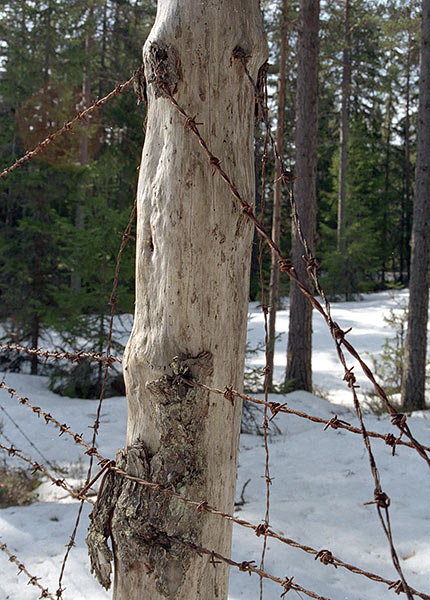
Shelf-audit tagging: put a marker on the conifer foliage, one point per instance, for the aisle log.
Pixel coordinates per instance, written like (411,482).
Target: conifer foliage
(62,214)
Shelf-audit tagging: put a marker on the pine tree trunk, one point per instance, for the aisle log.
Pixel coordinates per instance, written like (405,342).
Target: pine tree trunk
(413,385)
(277,198)
(343,141)
(76,278)
(407,168)
(299,351)
(192,283)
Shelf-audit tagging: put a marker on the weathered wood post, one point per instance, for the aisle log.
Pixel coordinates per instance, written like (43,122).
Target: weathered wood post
(192,276)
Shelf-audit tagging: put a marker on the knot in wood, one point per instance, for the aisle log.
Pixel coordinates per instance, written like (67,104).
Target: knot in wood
(287,584)
(241,54)
(326,557)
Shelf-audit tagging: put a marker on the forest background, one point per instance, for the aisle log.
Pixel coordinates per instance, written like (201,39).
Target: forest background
(61,223)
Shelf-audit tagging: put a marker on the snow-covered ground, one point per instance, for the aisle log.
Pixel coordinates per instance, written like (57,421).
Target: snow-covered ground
(321,480)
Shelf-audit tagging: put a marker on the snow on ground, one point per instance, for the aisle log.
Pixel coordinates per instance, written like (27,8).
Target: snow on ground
(321,480)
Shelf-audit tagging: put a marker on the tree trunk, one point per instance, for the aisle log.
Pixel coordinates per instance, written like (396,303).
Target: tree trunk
(299,351)
(407,169)
(192,282)
(343,141)
(413,385)
(276,217)
(76,278)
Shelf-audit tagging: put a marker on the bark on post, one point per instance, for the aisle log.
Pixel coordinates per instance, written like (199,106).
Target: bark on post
(299,350)
(192,283)
(414,373)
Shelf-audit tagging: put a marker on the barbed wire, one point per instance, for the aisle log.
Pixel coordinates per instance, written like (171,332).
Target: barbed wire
(337,333)
(264,308)
(285,265)
(399,420)
(32,444)
(63,427)
(57,355)
(381,499)
(39,468)
(67,127)
(324,555)
(246,566)
(275,407)
(96,425)
(32,580)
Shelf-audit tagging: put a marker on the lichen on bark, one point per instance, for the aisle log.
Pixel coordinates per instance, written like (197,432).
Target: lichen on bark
(141,521)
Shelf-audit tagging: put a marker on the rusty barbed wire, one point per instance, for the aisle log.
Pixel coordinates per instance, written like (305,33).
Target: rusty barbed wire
(72,356)
(338,335)
(261,529)
(228,393)
(275,407)
(286,266)
(32,580)
(264,308)
(312,268)
(63,427)
(67,127)
(381,500)
(96,425)
(39,468)
(32,444)
(245,566)
(203,506)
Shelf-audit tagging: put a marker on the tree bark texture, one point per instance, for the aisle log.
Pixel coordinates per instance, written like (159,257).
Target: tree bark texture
(299,351)
(413,385)
(192,284)
(343,135)
(277,196)
(76,278)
